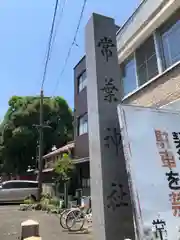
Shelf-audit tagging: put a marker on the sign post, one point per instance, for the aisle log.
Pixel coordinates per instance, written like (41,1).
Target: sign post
(111,205)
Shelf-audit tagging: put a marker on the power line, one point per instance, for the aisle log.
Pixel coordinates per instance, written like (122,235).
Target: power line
(57,26)
(49,43)
(41,125)
(71,46)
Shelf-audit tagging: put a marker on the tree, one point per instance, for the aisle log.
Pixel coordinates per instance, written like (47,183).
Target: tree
(19,134)
(64,168)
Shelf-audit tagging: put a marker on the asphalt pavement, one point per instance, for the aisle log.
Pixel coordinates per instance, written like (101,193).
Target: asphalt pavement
(11,218)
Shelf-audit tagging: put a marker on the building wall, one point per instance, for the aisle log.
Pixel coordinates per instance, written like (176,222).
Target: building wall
(142,14)
(163,90)
(145,20)
(80,104)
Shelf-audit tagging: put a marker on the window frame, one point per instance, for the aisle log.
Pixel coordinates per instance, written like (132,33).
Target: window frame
(123,66)
(146,61)
(83,117)
(166,28)
(85,183)
(82,81)
(133,56)
(162,67)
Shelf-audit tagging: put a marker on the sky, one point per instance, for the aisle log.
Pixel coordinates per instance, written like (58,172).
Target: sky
(24,34)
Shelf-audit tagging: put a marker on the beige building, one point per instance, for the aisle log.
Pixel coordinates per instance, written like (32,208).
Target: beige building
(149,54)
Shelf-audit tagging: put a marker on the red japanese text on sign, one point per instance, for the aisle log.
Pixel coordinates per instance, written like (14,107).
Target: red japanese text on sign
(167,159)
(175,201)
(162,139)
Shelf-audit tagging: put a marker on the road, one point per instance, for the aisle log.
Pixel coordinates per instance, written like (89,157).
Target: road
(11,218)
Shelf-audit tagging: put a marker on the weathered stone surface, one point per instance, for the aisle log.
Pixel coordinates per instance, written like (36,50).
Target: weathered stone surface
(29,228)
(33,238)
(111,205)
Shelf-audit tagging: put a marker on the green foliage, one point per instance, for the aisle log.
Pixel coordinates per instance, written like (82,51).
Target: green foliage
(50,204)
(28,201)
(19,134)
(64,167)
(54,201)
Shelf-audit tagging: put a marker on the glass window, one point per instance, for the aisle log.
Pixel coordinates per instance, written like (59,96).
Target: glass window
(7,185)
(170,36)
(28,185)
(32,185)
(82,81)
(146,61)
(83,124)
(19,184)
(129,76)
(85,182)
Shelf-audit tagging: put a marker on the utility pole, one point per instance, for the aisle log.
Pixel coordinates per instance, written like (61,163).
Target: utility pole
(40,128)
(41,124)
(40,164)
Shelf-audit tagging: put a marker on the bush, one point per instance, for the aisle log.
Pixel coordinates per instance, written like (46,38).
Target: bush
(54,202)
(47,203)
(29,200)
(46,196)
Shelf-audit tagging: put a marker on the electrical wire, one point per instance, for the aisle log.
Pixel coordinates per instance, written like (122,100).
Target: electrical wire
(71,46)
(57,26)
(49,44)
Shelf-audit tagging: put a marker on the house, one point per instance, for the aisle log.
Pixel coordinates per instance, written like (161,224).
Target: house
(80,181)
(149,61)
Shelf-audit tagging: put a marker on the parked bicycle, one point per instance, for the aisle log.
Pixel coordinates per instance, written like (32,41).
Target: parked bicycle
(63,217)
(76,218)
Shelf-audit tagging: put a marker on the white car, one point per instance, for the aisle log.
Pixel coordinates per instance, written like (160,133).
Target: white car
(17,190)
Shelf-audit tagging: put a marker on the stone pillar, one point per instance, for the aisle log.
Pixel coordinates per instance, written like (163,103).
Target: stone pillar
(33,238)
(29,228)
(111,205)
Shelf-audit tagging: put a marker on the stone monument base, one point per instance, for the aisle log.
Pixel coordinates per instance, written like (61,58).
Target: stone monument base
(29,228)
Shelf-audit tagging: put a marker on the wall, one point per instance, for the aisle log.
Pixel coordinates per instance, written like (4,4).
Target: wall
(134,23)
(163,90)
(175,105)
(146,19)
(80,104)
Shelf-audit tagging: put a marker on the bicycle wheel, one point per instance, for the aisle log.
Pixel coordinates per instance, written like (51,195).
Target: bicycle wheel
(75,220)
(63,217)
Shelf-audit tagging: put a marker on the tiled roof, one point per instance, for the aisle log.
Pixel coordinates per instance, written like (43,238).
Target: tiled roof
(75,161)
(65,148)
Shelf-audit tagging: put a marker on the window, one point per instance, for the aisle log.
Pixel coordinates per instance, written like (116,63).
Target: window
(143,67)
(129,76)
(170,36)
(85,182)
(20,184)
(146,61)
(30,185)
(83,124)
(82,81)
(7,185)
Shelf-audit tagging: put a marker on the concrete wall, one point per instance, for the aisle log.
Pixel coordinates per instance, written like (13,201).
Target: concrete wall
(161,91)
(146,19)
(137,20)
